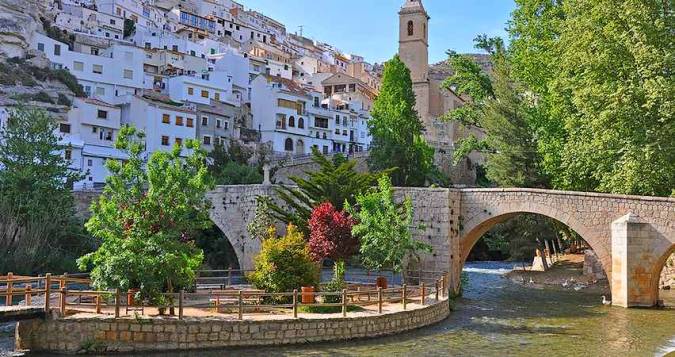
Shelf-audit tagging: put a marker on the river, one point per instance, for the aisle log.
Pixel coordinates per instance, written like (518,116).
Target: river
(496,317)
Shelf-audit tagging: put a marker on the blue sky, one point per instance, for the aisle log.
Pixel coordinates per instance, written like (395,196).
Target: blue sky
(370,27)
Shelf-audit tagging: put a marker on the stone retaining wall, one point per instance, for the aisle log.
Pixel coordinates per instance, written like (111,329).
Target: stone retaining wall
(79,335)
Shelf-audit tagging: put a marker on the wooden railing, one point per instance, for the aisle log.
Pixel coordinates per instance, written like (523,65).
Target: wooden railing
(239,302)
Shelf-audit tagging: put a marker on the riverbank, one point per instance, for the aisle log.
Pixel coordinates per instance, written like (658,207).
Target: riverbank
(565,274)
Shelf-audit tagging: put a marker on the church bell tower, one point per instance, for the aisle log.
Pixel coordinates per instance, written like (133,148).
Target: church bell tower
(414,39)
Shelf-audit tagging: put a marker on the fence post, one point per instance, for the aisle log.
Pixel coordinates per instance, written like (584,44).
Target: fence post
(64,281)
(9,297)
(48,288)
(229,277)
(29,295)
(424,293)
(344,302)
(64,295)
(295,303)
(437,287)
(98,303)
(241,306)
(404,295)
(379,299)
(181,297)
(117,303)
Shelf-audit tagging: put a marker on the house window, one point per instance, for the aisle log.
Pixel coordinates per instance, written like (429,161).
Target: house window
(165,140)
(205,121)
(97,68)
(90,162)
(57,50)
(191,91)
(288,144)
(227,125)
(207,140)
(166,119)
(78,66)
(93,51)
(205,94)
(291,122)
(217,96)
(128,74)
(179,121)
(64,128)
(41,47)
(102,114)
(68,154)
(190,123)
(411,29)
(179,141)
(219,123)
(301,123)
(100,91)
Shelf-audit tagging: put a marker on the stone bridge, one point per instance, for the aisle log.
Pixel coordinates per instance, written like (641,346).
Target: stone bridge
(632,236)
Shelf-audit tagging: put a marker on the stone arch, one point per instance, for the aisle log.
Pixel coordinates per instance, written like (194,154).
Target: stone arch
(659,265)
(300,147)
(480,224)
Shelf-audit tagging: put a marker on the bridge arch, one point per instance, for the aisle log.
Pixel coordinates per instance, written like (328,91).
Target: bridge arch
(480,224)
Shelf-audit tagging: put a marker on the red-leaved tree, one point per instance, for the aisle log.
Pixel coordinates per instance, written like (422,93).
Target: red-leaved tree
(331,234)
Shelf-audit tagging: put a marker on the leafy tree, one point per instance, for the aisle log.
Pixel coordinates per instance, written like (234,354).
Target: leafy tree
(147,218)
(38,228)
(263,224)
(614,89)
(500,108)
(383,229)
(336,181)
(284,264)
(331,234)
(397,130)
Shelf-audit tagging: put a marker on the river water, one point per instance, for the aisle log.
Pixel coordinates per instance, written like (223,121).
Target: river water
(496,317)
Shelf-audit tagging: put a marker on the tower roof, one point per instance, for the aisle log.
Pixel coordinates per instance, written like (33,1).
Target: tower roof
(412,7)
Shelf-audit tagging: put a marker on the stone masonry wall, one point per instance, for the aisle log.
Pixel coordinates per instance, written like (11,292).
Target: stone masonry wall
(78,335)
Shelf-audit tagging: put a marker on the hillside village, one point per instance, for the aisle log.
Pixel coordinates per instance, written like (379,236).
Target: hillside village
(214,71)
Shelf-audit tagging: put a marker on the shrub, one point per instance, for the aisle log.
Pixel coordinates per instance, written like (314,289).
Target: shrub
(63,100)
(42,97)
(331,234)
(337,284)
(284,264)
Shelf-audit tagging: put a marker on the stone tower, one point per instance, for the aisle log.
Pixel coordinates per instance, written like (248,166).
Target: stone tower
(413,39)
(414,52)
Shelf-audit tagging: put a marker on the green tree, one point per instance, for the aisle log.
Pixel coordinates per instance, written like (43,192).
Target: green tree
(397,130)
(336,181)
(147,219)
(263,224)
(383,229)
(600,74)
(615,89)
(38,228)
(501,109)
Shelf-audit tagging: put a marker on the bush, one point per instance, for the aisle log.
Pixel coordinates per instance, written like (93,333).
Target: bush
(313,309)
(43,97)
(284,264)
(331,234)
(337,284)
(63,100)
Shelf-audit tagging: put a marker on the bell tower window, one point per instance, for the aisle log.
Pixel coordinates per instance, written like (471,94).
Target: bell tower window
(411,30)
